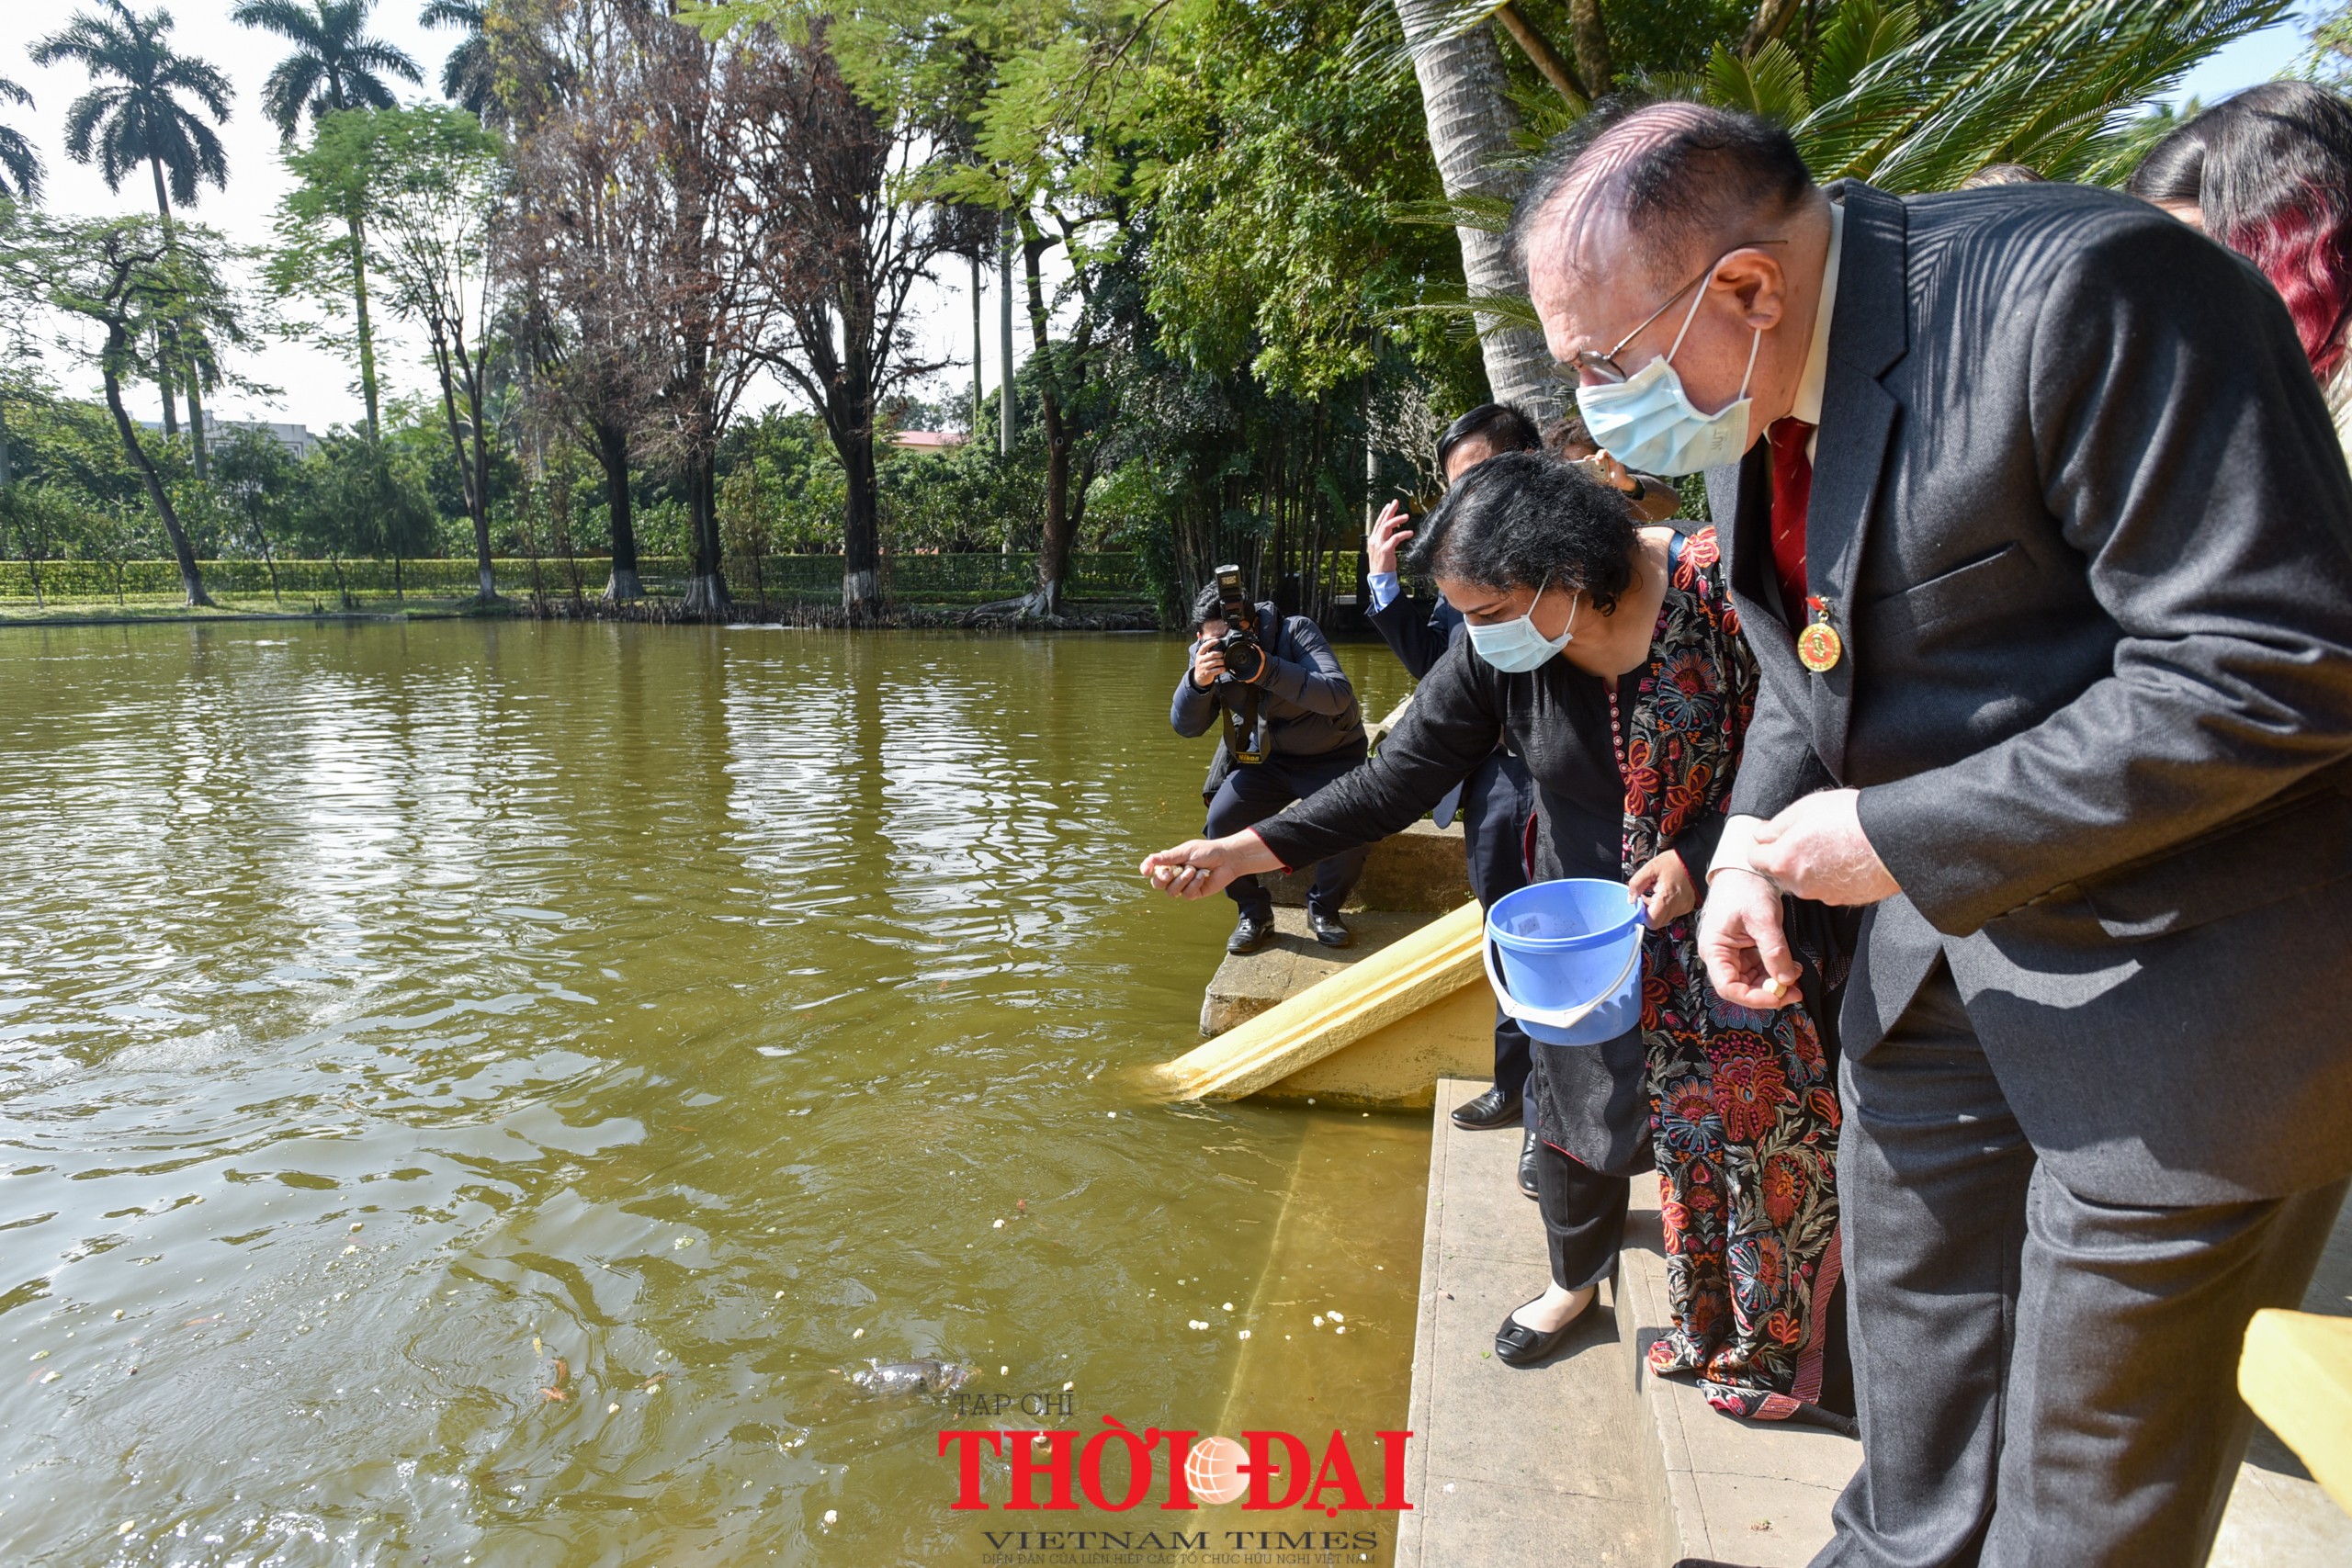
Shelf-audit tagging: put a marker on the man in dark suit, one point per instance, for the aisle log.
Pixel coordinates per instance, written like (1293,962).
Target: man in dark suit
(2054,616)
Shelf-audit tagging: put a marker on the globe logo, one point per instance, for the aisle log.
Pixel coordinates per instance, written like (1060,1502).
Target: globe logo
(1213,1470)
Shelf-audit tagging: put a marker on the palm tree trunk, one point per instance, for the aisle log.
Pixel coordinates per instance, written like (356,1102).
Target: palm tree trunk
(367,334)
(196,420)
(167,341)
(1053,546)
(1471,123)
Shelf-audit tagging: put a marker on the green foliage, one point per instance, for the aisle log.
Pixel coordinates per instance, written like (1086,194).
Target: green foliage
(134,115)
(335,66)
(2049,83)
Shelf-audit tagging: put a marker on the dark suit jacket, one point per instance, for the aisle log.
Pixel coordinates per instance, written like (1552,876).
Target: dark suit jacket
(2087,534)
(1416,632)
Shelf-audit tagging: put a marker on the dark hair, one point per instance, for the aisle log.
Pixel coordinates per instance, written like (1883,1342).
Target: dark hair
(2002,175)
(1208,605)
(2270,169)
(1520,520)
(1502,426)
(2173,169)
(1682,175)
(1570,430)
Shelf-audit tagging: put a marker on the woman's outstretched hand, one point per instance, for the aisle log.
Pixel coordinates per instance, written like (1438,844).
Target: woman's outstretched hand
(1204,866)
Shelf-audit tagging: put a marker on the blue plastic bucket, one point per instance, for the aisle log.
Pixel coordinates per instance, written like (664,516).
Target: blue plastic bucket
(1564,959)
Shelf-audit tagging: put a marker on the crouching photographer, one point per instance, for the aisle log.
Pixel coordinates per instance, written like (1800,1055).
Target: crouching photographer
(1290,726)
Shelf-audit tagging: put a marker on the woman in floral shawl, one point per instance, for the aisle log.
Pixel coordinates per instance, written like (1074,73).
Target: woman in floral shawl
(1608,657)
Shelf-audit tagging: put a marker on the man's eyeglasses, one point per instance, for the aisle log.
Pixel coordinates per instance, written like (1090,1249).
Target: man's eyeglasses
(1588,366)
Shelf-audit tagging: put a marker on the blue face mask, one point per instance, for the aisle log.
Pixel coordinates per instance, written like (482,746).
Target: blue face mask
(1515,646)
(1647,423)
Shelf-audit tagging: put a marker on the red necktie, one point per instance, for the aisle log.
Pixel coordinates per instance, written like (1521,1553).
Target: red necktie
(1792,491)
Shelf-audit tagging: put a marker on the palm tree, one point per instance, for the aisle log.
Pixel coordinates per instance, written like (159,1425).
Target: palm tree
(20,165)
(466,76)
(138,119)
(1883,91)
(1474,133)
(335,66)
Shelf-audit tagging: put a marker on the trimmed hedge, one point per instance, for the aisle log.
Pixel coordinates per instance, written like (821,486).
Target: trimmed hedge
(975,579)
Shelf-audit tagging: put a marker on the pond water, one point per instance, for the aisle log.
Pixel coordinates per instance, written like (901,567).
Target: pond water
(403,1025)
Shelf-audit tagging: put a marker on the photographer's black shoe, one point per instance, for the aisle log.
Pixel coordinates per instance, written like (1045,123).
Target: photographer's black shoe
(1328,928)
(1491,1109)
(1253,933)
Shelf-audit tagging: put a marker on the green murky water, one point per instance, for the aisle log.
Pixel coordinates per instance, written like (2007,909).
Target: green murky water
(389,1013)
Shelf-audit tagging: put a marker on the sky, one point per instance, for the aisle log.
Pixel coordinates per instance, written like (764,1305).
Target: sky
(318,389)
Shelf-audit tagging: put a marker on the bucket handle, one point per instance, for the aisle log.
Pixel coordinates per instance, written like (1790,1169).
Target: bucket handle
(1552,1018)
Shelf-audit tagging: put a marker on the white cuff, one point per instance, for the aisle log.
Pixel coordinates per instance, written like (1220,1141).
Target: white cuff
(1732,849)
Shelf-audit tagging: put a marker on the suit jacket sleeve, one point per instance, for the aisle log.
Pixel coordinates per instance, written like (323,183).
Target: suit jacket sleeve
(1410,630)
(1315,680)
(2187,455)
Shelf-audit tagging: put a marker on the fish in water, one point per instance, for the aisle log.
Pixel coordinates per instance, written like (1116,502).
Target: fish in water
(924,1376)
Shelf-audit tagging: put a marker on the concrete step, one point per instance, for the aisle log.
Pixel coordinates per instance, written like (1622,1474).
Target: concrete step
(1591,1460)
(1511,1467)
(1423,870)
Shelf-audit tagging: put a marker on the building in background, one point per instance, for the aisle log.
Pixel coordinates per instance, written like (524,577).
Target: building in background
(219,432)
(929,443)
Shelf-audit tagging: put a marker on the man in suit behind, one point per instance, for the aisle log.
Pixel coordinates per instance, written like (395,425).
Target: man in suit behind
(2035,522)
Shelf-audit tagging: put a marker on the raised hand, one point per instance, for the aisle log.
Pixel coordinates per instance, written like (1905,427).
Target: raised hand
(1389,534)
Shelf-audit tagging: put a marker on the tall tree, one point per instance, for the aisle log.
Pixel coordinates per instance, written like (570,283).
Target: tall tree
(579,252)
(335,66)
(702,180)
(468,77)
(431,185)
(843,250)
(132,115)
(125,275)
(20,169)
(1473,130)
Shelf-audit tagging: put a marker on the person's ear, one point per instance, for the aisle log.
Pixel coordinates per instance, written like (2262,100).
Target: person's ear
(1758,287)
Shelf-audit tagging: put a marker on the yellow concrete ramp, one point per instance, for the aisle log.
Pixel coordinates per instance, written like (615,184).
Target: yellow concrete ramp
(2296,1374)
(1381,1031)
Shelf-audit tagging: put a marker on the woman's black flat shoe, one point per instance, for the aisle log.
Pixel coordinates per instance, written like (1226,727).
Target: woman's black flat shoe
(1516,1345)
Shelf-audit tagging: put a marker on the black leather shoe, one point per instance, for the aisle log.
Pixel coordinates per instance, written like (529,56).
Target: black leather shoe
(1527,1167)
(1516,1345)
(1253,933)
(1491,1109)
(1327,930)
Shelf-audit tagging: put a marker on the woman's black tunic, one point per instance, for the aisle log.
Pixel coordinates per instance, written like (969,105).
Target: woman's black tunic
(1593,1101)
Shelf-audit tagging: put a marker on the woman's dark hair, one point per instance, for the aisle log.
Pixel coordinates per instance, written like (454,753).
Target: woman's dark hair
(2270,169)
(1520,520)
(1502,426)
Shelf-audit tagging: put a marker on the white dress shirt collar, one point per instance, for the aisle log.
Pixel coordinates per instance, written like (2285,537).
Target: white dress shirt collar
(1807,406)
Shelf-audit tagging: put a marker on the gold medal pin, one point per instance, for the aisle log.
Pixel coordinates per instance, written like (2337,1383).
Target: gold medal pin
(1818,645)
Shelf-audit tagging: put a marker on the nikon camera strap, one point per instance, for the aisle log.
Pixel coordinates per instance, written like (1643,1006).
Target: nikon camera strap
(1244,737)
